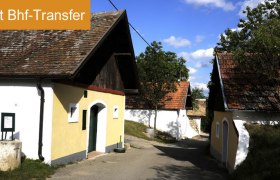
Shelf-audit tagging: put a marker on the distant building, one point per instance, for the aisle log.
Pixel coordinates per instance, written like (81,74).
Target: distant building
(196,115)
(172,115)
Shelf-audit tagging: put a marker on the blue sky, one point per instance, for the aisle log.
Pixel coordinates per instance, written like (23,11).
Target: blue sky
(190,28)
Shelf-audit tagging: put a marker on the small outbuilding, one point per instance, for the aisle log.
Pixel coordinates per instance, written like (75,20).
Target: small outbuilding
(238,96)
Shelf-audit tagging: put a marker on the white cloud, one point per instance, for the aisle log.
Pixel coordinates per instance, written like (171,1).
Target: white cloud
(199,38)
(191,78)
(185,55)
(236,29)
(202,64)
(224,4)
(192,70)
(250,3)
(177,42)
(202,53)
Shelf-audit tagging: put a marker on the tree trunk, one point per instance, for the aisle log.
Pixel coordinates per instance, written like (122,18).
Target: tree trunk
(155,120)
(150,114)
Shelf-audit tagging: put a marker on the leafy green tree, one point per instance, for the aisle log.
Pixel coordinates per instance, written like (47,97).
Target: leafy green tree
(158,71)
(197,93)
(256,43)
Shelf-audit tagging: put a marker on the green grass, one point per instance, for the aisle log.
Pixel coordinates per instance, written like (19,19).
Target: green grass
(29,169)
(263,159)
(135,129)
(138,130)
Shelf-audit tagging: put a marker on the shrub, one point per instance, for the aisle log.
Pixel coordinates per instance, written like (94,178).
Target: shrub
(164,137)
(263,159)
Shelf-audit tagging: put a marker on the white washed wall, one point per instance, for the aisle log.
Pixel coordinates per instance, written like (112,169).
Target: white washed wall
(243,142)
(198,122)
(175,122)
(23,99)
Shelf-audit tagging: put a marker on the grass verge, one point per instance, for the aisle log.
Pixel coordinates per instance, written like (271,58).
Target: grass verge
(263,159)
(135,129)
(29,169)
(138,130)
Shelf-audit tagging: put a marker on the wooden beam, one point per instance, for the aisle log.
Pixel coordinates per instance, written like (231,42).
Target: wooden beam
(122,54)
(131,91)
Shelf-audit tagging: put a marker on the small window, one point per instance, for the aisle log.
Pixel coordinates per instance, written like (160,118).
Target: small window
(217,129)
(85,93)
(84,125)
(73,114)
(115,112)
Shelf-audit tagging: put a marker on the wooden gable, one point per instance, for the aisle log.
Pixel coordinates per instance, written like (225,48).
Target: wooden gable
(111,65)
(109,77)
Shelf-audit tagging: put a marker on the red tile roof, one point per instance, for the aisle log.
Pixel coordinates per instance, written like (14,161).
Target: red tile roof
(173,100)
(245,90)
(52,53)
(177,100)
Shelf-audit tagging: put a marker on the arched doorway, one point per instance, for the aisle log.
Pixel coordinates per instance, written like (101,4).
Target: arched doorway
(93,128)
(97,128)
(225,143)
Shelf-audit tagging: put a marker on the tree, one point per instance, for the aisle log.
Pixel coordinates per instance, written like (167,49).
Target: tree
(158,71)
(256,44)
(197,93)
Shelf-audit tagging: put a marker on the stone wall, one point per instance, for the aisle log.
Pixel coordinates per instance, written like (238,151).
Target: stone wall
(10,155)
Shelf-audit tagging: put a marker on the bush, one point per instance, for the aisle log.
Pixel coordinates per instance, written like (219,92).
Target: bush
(164,137)
(29,169)
(263,159)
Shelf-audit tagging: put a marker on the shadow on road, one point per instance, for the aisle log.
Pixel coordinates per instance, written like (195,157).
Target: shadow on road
(199,165)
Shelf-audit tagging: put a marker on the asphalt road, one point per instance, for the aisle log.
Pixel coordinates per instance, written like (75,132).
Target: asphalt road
(185,160)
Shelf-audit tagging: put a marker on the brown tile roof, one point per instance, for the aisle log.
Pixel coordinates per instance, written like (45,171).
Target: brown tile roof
(201,111)
(52,53)
(173,100)
(246,90)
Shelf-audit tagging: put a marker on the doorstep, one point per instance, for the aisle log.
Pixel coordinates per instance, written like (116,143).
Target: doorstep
(95,154)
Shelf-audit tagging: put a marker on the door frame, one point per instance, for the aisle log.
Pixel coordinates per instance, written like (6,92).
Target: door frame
(101,125)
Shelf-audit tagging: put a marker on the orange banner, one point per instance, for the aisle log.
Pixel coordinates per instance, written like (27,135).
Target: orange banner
(45,15)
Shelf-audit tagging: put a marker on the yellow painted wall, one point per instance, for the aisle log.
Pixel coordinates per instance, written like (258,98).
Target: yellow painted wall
(69,138)
(216,143)
(115,127)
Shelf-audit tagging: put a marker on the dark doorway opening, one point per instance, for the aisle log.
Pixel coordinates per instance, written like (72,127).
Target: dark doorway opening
(225,143)
(93,128)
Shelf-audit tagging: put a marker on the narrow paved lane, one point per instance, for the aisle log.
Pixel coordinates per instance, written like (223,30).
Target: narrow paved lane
(185,160)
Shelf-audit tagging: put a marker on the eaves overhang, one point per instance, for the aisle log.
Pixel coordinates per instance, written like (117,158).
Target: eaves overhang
(221,83)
